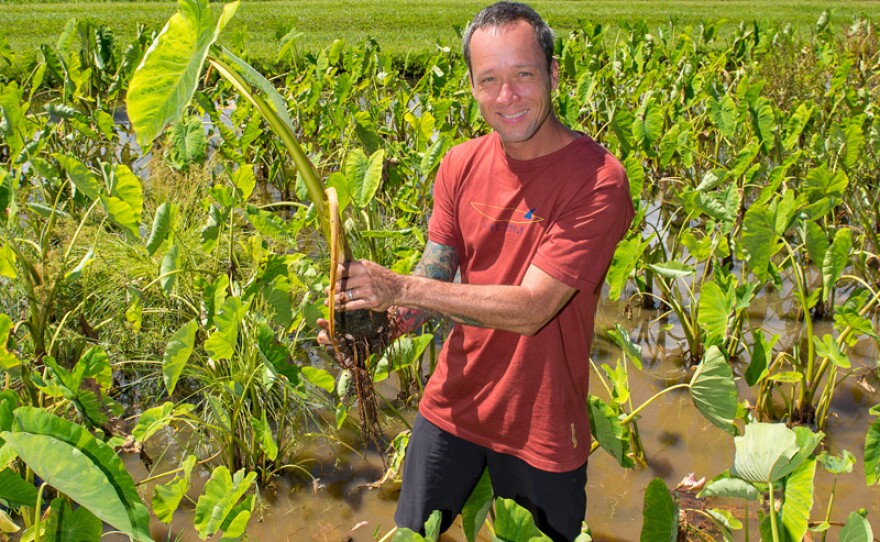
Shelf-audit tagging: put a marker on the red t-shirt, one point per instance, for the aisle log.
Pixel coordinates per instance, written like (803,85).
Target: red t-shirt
(565,213)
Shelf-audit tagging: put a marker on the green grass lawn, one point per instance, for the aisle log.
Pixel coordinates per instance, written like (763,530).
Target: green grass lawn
(401,26)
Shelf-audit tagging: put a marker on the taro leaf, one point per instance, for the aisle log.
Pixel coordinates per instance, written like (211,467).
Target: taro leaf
(626,257)
(837,464)
(713,390)
(514,523)
(6,523)
(244,180)
(75,273)
(796,124)
(633,351)
(263,434)
(267,223)
(127,187)
(8,359)
(857,529)
(277,296)
(855,140)
(221,344)
(475,510)
(188,144)
(766,121)
(12,115)
(759,238)
(715,309)
(672,269)
(835,260)
(827,348)
(766,453)
(725,521)
(177,352)
(162,225)
(762,349)
(432,531)
(872,454)
(15,491)
(622,126)
(364,175)
(167,497)
(609,432)
(122,215)
(431,158)
(730,487)
(319,378)
(405,352)
(365,128)
(218,505)
(659,514)
(163,85)
(821,183)
(8,403)
(154,419)
(169,268)
(83,179)
(88,471)
(816,241)
(635,173)
(68,525)
(798,500)
(7,261)
(723,114)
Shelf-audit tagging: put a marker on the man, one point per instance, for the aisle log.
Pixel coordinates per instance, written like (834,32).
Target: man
(530,215)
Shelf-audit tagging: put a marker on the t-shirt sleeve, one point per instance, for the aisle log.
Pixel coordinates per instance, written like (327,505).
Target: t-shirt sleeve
(578,246)
(442,227)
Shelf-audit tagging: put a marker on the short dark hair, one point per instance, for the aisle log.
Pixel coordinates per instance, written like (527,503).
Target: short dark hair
(503,13)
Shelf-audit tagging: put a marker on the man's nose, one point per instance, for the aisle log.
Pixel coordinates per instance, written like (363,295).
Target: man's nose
(507,94)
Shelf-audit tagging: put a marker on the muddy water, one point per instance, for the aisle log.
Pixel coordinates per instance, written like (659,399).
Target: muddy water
(338,505)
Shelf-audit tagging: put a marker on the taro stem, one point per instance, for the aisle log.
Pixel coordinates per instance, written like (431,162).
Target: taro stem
(339,249)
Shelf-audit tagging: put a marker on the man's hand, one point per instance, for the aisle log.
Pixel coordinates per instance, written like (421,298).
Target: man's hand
(362,284)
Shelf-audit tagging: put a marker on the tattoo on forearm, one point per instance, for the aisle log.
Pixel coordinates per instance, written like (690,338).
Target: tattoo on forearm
(439,262)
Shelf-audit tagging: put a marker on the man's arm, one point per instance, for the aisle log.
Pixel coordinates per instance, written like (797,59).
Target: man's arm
(523,308)
(439,262)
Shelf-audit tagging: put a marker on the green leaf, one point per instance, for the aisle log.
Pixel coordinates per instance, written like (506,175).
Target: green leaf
(177,352)
(816,241)
(766,122)
(263,434)
(7,262)
(723,114)
(365,129)
(731,487)
(612,436)
(16,491)
(514,523)
(8,359)
(221,344)
(715,311)
(659,514)
(76,272)
(403,353)
(632,350)
(154,419)
(122,215)
(6,523)
(857,529)
(319,377)
(68,525)
(162,224)
(837,464)
(835,260)
(759,239)
(713,390)
(164,83)
(475,510)
(364,175)
(127,188)
(88,471)
(167,497)
(762,350)
(827,348)
(217,504)
(83,179)
(672,269)
(169,268)
(626,257)
(872,454)
(766,453)
(798,500)
(855,140)
(243,178)
(820,182)
(188,144)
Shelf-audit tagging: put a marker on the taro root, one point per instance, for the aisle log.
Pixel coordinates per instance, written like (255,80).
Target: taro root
(359,334)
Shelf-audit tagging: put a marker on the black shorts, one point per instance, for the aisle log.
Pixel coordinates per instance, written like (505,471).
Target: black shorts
(441,470)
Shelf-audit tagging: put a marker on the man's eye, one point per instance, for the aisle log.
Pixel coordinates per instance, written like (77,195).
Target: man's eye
(525,74)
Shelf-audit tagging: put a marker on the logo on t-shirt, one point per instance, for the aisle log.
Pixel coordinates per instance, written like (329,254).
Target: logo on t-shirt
(507,219)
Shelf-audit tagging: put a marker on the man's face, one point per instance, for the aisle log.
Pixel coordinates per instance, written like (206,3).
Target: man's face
(511,83)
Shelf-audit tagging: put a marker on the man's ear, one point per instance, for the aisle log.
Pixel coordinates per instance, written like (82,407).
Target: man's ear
(554,74)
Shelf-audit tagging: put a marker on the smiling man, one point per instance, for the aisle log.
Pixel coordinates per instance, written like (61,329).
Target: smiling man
(529,215)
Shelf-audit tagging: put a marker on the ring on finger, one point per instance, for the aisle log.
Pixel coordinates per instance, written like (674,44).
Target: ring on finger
(350,295)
